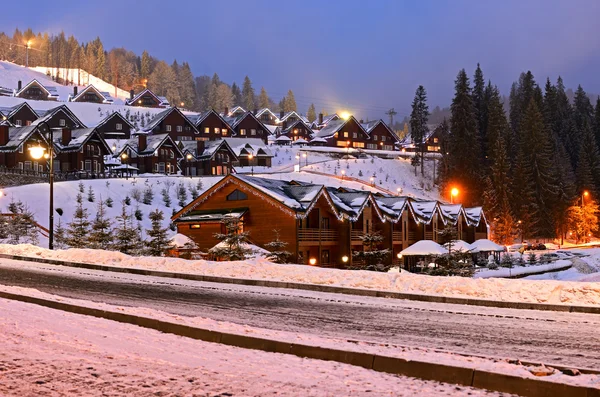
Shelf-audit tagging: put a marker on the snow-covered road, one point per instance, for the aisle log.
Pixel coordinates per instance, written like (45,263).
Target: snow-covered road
(551,337)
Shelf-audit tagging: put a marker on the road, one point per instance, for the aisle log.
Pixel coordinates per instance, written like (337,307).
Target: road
(550,337)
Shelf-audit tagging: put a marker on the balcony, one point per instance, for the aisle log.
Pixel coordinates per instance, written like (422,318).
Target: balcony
(355,235)
(323,235)
(397,236)
(428,235)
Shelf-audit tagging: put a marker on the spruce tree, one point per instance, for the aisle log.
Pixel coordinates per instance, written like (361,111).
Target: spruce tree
(248,94)
(79,228)
(480,94)
(101,236)
(418,124)
(59,236)
(263,99)
(237,95)
(464,147)
(232,243)
(125,234)
(277,248)
(597,122)
(372,256)
(21,226)
(290,102)
(312,113)
(159,243)
(91,196)
(145,65)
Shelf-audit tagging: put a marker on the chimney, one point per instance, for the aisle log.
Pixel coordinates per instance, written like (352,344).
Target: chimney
(320,118)
(74,91)
(362,121)
(255,111)
(199,147)
(142,143)
(284,125)
(3,134)
(66,136)
(131,94)
(19,85)
(281,113)
(226,113)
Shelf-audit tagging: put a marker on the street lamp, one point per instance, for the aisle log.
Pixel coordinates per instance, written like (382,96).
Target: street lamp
(188,157)
(27,53)
(520,229)
(312,261)
(250,157)
(305,158)
(372,179)
(124,158)
(298,158)
(583,195)
(37,152)
(343,173)
(399,190)
(345,259)
(453,193)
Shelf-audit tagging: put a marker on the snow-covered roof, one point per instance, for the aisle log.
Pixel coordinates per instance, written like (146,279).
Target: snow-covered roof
(300,141)
(273,129)
(337,125)
(162,101)
(474,215)
(317,139)
(17,136)
(65,109)
(460,245)
(109,116)
(267,110)
(424,248)
(485,245)
(8,112)
(295,124)
(283,138)
(158,118)
(105,96)
(79,137)
(369,126)
(451,212)
(423,211)
(50,90)
(293,113)
(210,148)
(244,146)
(153,143)
(392,207)
(326,120)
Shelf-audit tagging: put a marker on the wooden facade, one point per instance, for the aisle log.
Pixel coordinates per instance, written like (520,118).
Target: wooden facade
(14,144)
(22,115)
(115,126)
(34,90)
(298,130)
(206,158)
(248,126)
(211,126)
(349,134)
(382,138)
(174,123)
(87,155)
(152,154)
(147,99)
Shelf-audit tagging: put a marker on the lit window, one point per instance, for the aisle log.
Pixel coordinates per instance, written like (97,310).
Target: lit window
(206,130)
(18,123)
(242,132)
(346,135)
(217,130)
(195,226)
(224,131)
(435,140)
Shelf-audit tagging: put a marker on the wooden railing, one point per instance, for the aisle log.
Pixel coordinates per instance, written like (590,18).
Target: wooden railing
(397,236)
(317,235)
(428,235)
(412,236)
(355,235)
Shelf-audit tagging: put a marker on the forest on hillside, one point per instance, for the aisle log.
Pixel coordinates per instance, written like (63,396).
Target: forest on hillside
(127,70)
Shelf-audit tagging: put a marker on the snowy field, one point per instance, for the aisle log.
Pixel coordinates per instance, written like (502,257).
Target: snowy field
(48,352)
(510,290)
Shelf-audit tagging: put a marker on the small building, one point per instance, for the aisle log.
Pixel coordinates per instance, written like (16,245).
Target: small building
(34,90)
(147,99)
(250,152)
(382,136)
(211,126)
(344,133)
(91,94)
(288,118)
(247,125)
(115,126)
(173,122)
(19,115)
(322,120)
(14,145)
(298,130)
(60,117)
(234,112)
(206,158)
(267,117)
(156,154)
(80,150)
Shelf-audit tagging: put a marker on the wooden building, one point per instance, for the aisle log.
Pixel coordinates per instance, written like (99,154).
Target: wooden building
(80,150)
(115,126)
(267,117)
(91,94)
(322,225)
(147,99)
(60,117)
(14,145)
(211,126)
(156,154)
(20,115)
(322,120)
(344,133)
(382,136)
(173,122)
(36,91)
(297,130)
(250,152)
(247,125)
(206,158)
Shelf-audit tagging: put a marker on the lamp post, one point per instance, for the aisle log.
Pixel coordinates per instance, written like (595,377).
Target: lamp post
(298,158)
(250,157)
(343,173)
(453,193)
(520,223)
(305,158)
(123,159)
(372,179)
(37,152)
(583,195)
(399,190)
(188,157)
(27,53)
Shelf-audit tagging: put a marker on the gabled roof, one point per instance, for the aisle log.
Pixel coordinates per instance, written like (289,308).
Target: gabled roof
(50,113)
(336,126)
(293,113)
(451,213)
(326,120)
(392,207)
(162,101)
(105,96)
(202,116)
(369,126)
(423,211)
(11,111)
(210,149)
(235,109)
(153,143)
(474,216)
(266,110)
(109,116)
(159,117)
(17,136)
(51,91)
(294,125)
(244,146)
(234,121)
(79,137)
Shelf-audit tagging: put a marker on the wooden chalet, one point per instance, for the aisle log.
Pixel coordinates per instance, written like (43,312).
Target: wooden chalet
(247,125)
(322,225)
(322,120)
(91,94)
(19,115)
(157,154)
(432,143)
(344,133)
(382,137)
(267,117)
(14,145)
(211,126)
(297,130)
(173,122)
(36,91)
(250,152)
(234,112)
(288,118)
(206,158)
(80,150)
(60,117)
(115,126)
(147,99)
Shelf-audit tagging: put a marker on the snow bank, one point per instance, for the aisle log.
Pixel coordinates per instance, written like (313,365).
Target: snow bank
(510,290)
(521,271)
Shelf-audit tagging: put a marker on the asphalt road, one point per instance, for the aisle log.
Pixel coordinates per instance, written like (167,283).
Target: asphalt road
(550,337)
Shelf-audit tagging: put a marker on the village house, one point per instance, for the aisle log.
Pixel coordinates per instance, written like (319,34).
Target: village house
(250,152)
(322,120)
(80,150)
(148,99)
(91,94)
(60,117)
(297,130)
(14,145)
(432,142)
(246,125)
(382,137)
(19,115)
(206,158)
(321,225)
(36,91)
(173,122)
(234,112)
(150,154)
(288,118)
(115,126)
(267,117)
(344,133)
(211,126)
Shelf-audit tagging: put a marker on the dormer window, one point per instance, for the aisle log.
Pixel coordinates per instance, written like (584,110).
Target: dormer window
(237,195)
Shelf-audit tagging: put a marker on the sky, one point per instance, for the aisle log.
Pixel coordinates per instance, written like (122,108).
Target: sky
(360,56)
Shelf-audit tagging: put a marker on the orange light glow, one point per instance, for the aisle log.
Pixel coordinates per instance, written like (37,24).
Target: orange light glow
(313,261)
(454,191)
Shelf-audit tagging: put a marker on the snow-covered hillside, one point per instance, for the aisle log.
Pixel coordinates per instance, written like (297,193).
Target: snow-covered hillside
(11,73)
(36,197)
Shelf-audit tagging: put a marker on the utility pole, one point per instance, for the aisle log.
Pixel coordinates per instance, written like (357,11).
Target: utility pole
(391,113)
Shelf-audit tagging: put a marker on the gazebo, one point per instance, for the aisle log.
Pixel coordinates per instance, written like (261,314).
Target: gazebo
(300,141)
(318,142)
(421,250)
(485,246)
(282,140)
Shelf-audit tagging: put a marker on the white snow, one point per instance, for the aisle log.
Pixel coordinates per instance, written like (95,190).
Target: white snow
(424,247)
(520,271)
(510,290)
(484,245)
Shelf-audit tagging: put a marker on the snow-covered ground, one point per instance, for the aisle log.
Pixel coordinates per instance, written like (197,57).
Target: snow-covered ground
(511,290)
(35,196)
(48,352)
(410,353)
(520,271)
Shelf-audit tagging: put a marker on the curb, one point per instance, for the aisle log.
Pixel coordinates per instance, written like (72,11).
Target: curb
(417,369)
(318,288)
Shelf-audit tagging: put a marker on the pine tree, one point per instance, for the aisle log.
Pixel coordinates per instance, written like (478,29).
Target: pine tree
(372,257)
(100,68)
(464,147)
(148,195)
(159,243)
(21,226)
(418,124)
(277,248)
(145,68)
(59,236)
(91,196)
(312,113)
(126,238)
(290,102)
(237,95)
(480,95)
(232,243)
(79,228)
(263,99)
(101,234)
(248,94)
(583,219)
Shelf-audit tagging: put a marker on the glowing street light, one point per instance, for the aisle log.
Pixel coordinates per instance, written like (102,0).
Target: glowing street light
(453,193)
(398,191)
(250,157)
(372,179)
(583,195)
(343,173)
(345,258)
(312,261)
(345,115)
(305,158)
(27,47)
